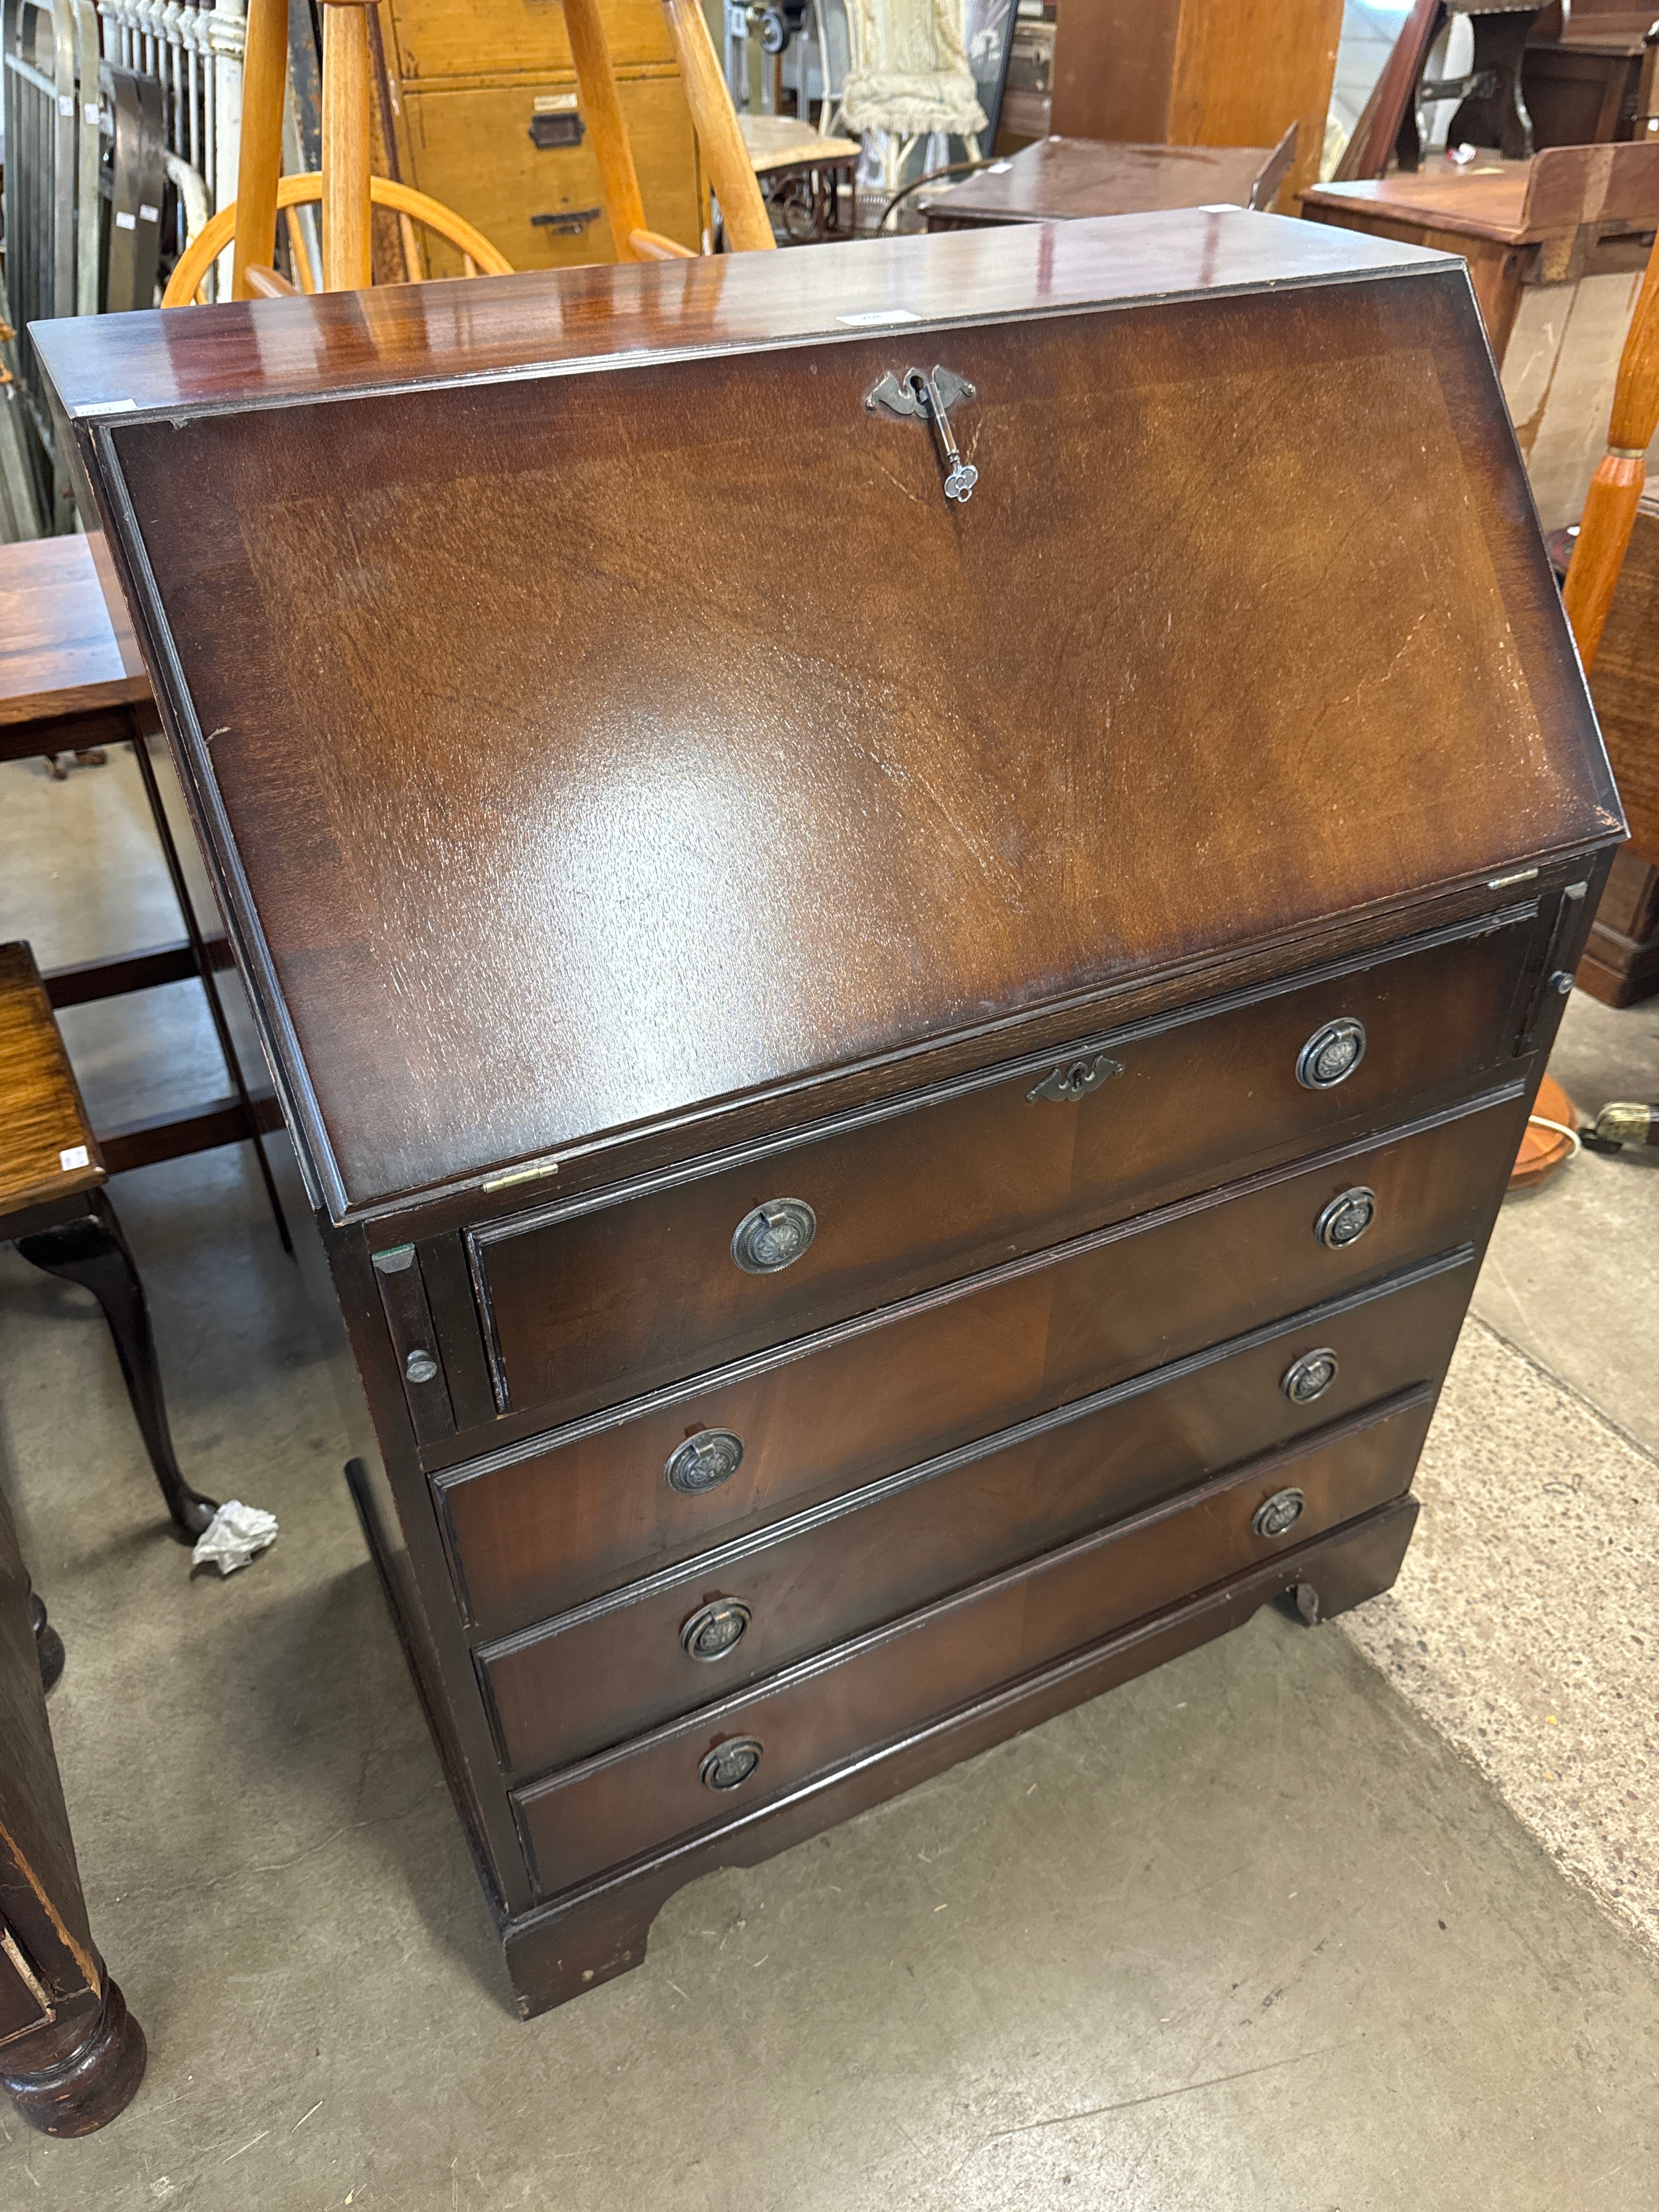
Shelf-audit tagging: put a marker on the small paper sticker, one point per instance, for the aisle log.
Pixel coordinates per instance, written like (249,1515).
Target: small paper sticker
(107,407)
(124,221)
(73,1156)
(872,318)
(148,214)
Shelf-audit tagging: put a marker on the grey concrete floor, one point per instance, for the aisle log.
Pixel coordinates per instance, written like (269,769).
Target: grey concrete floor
(1246,1933)
(1572,1272)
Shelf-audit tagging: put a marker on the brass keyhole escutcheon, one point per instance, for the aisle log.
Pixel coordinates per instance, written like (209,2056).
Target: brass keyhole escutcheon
(1076,1079)
(730,1764)
(715,1629)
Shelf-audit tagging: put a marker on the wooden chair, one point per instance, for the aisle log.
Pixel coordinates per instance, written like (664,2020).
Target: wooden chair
(348,194)
(53,1209)
(1616,492)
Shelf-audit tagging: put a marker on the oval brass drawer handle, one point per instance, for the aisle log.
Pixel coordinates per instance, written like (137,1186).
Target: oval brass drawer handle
(1348,1218)
(730,1764)
(1309,1377)
(715,1629)
(1331,1055)
(1279,1513)
(773,1236)
(704,1461)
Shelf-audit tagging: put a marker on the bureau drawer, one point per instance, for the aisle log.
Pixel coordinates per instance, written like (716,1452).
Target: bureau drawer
(681,1639)
(692,1774)
(610,1297)
(542,1528)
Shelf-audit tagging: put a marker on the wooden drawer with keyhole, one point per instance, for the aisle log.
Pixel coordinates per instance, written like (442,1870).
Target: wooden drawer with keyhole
(548,1524)
(752,1747)
(611,1669)
(601,1299)
(536,196)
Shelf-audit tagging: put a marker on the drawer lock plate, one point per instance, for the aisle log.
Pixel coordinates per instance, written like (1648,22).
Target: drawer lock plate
(1075,1078)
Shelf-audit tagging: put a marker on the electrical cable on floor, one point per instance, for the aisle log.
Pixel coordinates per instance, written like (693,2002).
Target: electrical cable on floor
(1539,1121)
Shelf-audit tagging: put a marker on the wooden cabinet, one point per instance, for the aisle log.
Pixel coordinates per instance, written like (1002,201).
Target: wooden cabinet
(477,148)
(1198,73)
(499,40)
(488,121)
(899,1097)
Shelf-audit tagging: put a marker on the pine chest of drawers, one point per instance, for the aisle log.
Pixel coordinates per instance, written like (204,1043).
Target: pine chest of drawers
(899,1092)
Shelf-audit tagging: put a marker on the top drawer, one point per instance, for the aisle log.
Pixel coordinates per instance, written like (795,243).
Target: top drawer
(611,1296)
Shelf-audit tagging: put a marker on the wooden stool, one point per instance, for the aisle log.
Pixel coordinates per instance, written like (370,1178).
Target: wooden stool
(52,1207)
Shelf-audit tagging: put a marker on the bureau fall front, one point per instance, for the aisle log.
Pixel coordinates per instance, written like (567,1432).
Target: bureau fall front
(904,904)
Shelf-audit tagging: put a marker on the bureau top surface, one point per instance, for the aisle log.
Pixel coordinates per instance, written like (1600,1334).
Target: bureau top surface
(578,747)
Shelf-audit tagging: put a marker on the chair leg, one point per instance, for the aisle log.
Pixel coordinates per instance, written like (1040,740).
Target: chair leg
(93,1253)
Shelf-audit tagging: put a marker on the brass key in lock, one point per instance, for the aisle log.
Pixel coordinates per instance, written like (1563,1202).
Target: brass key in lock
(930,395)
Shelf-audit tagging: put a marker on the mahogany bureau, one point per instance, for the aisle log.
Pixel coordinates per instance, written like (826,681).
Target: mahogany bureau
(905,900)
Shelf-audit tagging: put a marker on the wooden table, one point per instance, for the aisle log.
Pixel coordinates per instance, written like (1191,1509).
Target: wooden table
(53,1208)
(1059,180)
(71,678)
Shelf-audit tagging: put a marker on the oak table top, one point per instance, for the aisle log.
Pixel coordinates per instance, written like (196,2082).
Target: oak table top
(47,1148)
(62,651)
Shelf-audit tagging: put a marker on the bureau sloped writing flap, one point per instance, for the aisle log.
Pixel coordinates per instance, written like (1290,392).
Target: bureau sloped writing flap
(599,744)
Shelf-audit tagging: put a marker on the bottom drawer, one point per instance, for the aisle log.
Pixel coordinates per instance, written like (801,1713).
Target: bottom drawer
(762,1742)
(607,1670)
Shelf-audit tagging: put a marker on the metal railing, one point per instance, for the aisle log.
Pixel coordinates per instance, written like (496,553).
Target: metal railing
(196,52)
(90,88)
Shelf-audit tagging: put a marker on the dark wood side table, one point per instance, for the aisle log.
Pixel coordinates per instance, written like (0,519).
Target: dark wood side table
(72,2055)
(71,680)
(53,1208)
(1058,180)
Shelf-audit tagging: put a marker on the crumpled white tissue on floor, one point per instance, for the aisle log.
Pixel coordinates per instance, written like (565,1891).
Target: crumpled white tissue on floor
(235,1532)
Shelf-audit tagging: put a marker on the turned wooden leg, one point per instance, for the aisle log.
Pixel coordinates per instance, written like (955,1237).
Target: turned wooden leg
(93,1253)
(74,2076)
(72,2055)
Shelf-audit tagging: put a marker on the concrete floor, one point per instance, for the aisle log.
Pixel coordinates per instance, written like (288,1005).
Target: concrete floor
(1246,1933)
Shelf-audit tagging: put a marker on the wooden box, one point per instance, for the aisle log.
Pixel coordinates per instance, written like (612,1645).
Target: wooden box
(899,1094)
